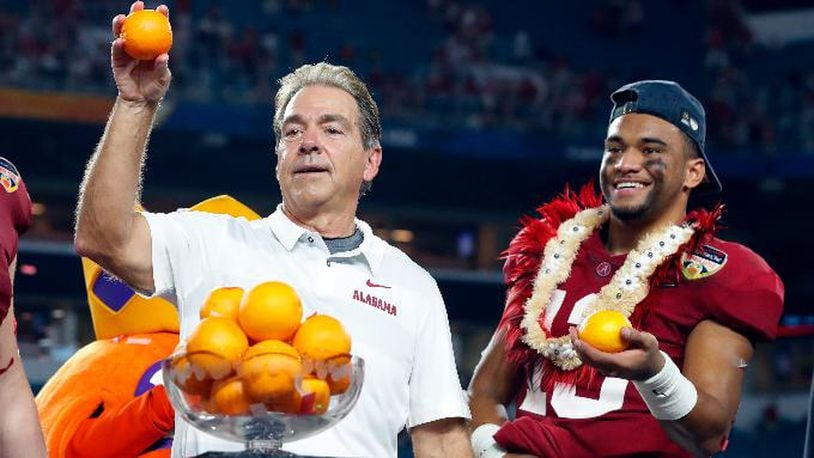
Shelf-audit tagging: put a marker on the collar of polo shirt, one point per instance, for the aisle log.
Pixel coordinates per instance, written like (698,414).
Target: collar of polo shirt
(289,233)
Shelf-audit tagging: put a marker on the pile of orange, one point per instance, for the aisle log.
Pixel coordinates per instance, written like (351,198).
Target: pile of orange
(252,351)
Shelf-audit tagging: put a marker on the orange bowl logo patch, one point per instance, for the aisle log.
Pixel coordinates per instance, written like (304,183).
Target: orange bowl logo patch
(705,262)
(9,177)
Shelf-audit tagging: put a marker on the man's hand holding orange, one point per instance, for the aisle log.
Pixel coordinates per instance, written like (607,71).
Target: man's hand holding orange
(140,81)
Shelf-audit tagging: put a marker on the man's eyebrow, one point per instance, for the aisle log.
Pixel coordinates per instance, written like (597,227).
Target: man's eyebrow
(643,140)
(294,118)
(326,118)
(331,117)
(657,141)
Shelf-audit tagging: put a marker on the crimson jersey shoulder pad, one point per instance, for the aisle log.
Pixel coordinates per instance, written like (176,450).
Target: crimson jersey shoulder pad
(745,294)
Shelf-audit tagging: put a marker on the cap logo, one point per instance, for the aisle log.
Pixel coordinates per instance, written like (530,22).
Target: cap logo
(689,121)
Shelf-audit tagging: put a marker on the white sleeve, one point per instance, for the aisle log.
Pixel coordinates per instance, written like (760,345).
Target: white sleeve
(176,241)
(435,390)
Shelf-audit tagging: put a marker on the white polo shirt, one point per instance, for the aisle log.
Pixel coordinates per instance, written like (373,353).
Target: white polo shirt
(391,307)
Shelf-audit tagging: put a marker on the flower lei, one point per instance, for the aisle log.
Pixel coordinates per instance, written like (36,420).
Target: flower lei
(629,285)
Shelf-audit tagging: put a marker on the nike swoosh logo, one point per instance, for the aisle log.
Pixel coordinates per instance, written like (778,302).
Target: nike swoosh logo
(375,285)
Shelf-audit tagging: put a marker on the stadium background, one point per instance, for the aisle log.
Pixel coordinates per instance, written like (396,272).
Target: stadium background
(488,109)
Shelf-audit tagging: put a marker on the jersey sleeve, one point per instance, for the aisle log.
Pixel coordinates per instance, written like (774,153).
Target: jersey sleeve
(435,390)
(23,208)
(15,218)
(16,203)
(746,295)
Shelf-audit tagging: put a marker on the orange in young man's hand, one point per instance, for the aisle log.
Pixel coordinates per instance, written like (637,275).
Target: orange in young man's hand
(147,34)
(223,302)
(216,346)
(322,337)
(228,398)
(271,310)
(602,330)
(270,370)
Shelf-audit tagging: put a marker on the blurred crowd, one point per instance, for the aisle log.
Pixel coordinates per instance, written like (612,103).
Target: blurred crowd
(473,75)
(749,108)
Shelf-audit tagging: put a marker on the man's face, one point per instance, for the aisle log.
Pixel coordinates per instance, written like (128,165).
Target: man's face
(321,161)
(645,167)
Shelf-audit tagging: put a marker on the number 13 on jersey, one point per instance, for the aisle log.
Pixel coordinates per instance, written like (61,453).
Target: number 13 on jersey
(564,399)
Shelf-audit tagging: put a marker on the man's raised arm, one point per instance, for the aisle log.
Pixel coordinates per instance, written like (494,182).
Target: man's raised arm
(108,230)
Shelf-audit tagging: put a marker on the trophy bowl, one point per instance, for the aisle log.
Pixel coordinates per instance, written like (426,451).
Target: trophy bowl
(261,429)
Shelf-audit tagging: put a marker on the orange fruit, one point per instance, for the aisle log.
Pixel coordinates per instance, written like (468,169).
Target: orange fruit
(216,346)
(338,377)
(601,330)
(316,396)
(190,379)
(289,403)
(223,302)
(271,310)
(228,398)
(270,370)
(322,337)
(147,34)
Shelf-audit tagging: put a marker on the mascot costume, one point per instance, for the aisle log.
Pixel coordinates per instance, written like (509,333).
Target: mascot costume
(108,398)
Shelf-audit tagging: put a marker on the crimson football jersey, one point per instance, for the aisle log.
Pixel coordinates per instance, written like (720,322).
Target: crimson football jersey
(722,281)
(15,218)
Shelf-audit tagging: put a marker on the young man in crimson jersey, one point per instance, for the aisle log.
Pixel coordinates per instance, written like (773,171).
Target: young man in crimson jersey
(696,302)
(20,433)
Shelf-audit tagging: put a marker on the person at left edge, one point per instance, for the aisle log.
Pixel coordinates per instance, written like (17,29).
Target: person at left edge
(20,433)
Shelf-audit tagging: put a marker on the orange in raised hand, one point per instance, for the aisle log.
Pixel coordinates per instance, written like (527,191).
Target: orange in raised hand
(602,330)
(147,34)
(271,310)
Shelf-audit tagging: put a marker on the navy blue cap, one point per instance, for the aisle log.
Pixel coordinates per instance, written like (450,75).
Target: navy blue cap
(668,101)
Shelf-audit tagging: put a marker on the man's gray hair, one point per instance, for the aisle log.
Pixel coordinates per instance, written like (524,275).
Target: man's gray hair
(338,76)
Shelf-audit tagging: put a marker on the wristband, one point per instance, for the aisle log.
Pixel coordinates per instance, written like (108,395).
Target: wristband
(668,394)
(483,442)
